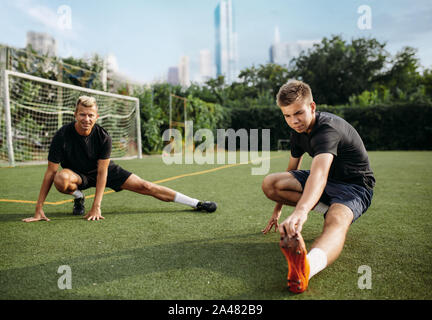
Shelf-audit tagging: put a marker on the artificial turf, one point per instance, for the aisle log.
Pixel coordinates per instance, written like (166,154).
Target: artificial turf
(148,249)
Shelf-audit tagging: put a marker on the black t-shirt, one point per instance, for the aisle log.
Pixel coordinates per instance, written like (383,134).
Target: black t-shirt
(80,153)
(332,134)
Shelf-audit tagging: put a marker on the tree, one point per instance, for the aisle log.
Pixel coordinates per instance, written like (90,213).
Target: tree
(337,70)
(263,80)
(403,75)
(426,81)
(217,88)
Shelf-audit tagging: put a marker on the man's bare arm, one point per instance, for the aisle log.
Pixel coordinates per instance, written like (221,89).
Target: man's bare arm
(43,193)
(102,173)
(294,163)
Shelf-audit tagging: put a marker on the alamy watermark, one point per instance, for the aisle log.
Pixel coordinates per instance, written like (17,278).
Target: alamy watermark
(365,280)
(65,280)
(364,22)
(207,150)
(64,20)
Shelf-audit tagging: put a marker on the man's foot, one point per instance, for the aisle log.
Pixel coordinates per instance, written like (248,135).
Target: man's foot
(208,206)
(79,208)
(294,250)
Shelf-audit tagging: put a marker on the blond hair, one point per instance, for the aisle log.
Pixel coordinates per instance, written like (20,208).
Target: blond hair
(86,101)
(294,91)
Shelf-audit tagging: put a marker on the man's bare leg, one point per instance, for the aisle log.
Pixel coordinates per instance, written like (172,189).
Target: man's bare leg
(283,188)
(336,226)
(324,251)
(66,181)
(138,185)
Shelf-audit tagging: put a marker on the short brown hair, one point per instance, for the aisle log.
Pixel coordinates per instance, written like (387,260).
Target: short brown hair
(86,101)
(293,91)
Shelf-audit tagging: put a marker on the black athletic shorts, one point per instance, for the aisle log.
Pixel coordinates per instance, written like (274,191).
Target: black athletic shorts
(355,197)
(115,179)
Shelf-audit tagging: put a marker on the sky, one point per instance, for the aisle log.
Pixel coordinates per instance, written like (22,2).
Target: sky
(149,36)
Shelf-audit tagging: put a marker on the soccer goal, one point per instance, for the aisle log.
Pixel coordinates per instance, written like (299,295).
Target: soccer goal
(35,108)
(283,145)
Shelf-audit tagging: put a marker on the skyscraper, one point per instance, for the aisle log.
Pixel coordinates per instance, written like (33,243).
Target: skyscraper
(226,41)
(183,72)
(173,76)
(205,67)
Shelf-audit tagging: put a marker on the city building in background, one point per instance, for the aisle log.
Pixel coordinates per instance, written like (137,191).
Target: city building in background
(183,72)
(226,55)
(283,52)
(205,66)
(42,43)
(173,76)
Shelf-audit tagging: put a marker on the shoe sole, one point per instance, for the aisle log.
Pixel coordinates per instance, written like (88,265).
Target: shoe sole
(294,250)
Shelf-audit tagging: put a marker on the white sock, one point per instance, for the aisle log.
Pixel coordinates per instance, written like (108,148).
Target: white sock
(181,198)
(317,261)
(321,208)
(77,194)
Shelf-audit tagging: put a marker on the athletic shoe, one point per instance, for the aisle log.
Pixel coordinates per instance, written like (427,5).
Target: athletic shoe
(79,208)
(294,250)
(208,206)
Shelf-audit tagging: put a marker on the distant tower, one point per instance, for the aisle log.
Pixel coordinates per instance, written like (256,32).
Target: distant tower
(173,76)
(42,43)
(226,41)
(184,72)
(277,49)
(205,67)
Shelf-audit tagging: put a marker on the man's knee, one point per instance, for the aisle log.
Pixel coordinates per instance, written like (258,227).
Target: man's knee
(146,187)
(268,185)
(339,215)
(276,182)
(280,181)
(62,180)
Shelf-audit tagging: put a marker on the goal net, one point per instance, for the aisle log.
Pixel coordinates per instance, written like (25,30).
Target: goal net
(35,108)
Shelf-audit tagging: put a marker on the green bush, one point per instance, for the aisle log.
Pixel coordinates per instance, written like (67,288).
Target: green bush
(383,127)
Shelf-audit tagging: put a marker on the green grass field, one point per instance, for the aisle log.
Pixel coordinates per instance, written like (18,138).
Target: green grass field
(147,249)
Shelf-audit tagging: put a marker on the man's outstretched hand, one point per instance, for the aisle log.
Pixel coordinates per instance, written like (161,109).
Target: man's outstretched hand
(293,225)
(39,216)
(273,222)
(94,214)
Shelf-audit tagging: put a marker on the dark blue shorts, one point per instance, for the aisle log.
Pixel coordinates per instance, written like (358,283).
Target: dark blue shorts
(355,197)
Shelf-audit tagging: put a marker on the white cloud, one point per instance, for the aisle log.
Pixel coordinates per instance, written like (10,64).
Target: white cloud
(49,18)
(43,15)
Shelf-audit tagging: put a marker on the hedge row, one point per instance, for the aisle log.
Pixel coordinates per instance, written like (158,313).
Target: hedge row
(396,127)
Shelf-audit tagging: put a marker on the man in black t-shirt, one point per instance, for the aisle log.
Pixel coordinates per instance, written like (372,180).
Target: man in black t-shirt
(83,149)
(339,183)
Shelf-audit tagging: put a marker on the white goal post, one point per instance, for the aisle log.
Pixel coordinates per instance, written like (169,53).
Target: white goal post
(35,108)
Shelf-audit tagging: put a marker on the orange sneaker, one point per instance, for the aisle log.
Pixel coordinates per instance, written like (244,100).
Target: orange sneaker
(294,250)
